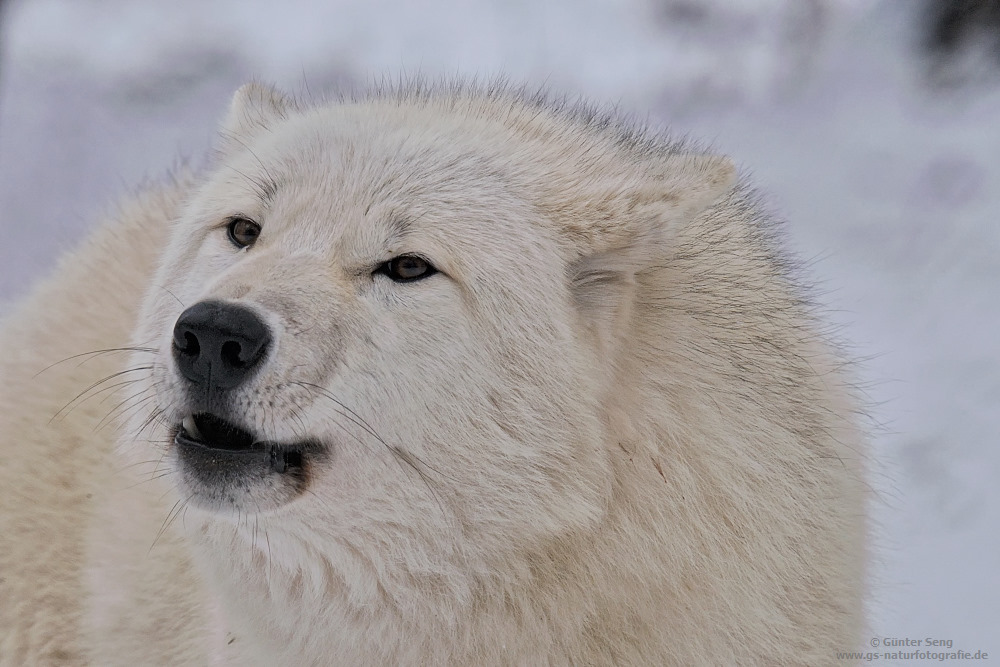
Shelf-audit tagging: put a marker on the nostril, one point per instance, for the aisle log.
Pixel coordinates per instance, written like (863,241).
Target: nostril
(191,346)
(230,354)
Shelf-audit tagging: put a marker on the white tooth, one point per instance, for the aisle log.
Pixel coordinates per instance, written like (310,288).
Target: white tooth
(190,427)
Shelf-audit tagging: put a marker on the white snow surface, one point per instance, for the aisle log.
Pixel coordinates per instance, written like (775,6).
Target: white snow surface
(891,188)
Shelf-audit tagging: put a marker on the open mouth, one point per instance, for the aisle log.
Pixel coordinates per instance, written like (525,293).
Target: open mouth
(211,438)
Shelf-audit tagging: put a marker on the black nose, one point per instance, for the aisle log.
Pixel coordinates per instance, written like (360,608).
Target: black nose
(217,345)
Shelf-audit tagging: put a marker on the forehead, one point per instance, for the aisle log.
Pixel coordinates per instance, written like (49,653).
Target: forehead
(400,168)
(370,154)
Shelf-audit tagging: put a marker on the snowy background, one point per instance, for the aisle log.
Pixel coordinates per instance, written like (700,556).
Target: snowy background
(886,168)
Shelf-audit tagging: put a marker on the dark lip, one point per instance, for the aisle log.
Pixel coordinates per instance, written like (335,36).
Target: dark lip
(222,440)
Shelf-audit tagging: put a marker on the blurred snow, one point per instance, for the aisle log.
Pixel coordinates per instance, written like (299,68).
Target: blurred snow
(891,186)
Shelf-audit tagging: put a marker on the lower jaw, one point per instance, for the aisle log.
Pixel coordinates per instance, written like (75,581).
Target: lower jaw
(264,476)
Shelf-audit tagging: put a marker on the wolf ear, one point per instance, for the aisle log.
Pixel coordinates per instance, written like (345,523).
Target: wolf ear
(682,186)
(673,191)
(255,107)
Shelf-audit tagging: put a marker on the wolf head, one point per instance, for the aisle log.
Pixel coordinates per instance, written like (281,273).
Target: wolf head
(388,331)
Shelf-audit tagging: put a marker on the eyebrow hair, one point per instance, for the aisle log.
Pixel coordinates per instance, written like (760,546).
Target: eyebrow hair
(398,227)
(266,186)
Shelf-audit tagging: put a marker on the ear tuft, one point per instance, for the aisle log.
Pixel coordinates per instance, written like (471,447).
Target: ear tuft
(683,186)
(255,107)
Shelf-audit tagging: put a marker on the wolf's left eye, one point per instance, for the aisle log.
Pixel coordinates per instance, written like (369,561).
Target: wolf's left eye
(243,232)
(407,268)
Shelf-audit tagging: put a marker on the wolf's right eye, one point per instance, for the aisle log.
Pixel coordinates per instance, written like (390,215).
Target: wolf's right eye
(243,232)
(407,268)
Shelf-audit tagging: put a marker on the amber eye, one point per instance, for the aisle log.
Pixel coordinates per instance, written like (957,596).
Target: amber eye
(406,268)
(243,232)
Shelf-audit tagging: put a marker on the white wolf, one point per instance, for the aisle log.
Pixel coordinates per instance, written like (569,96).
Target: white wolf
(433,376)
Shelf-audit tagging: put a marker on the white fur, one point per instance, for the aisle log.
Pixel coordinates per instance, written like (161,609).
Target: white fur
(608,432)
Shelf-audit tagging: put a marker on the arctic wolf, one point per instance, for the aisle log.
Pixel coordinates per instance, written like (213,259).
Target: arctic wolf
(440,375)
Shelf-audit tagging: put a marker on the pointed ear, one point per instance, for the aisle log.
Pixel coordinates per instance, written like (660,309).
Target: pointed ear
(255,107)
(682,186)
(672,191)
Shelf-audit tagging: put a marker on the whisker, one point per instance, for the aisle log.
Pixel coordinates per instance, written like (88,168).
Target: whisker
(82,396)
(123,407)
(159,461)
(134,464)
(111,387)
(109,390)
(353,435)
(296,414)
(95,353)
(405,456)
(161,475)
(350,414)
(409,458)
(267,540)
(172,294)
(157,414)
(171,515)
